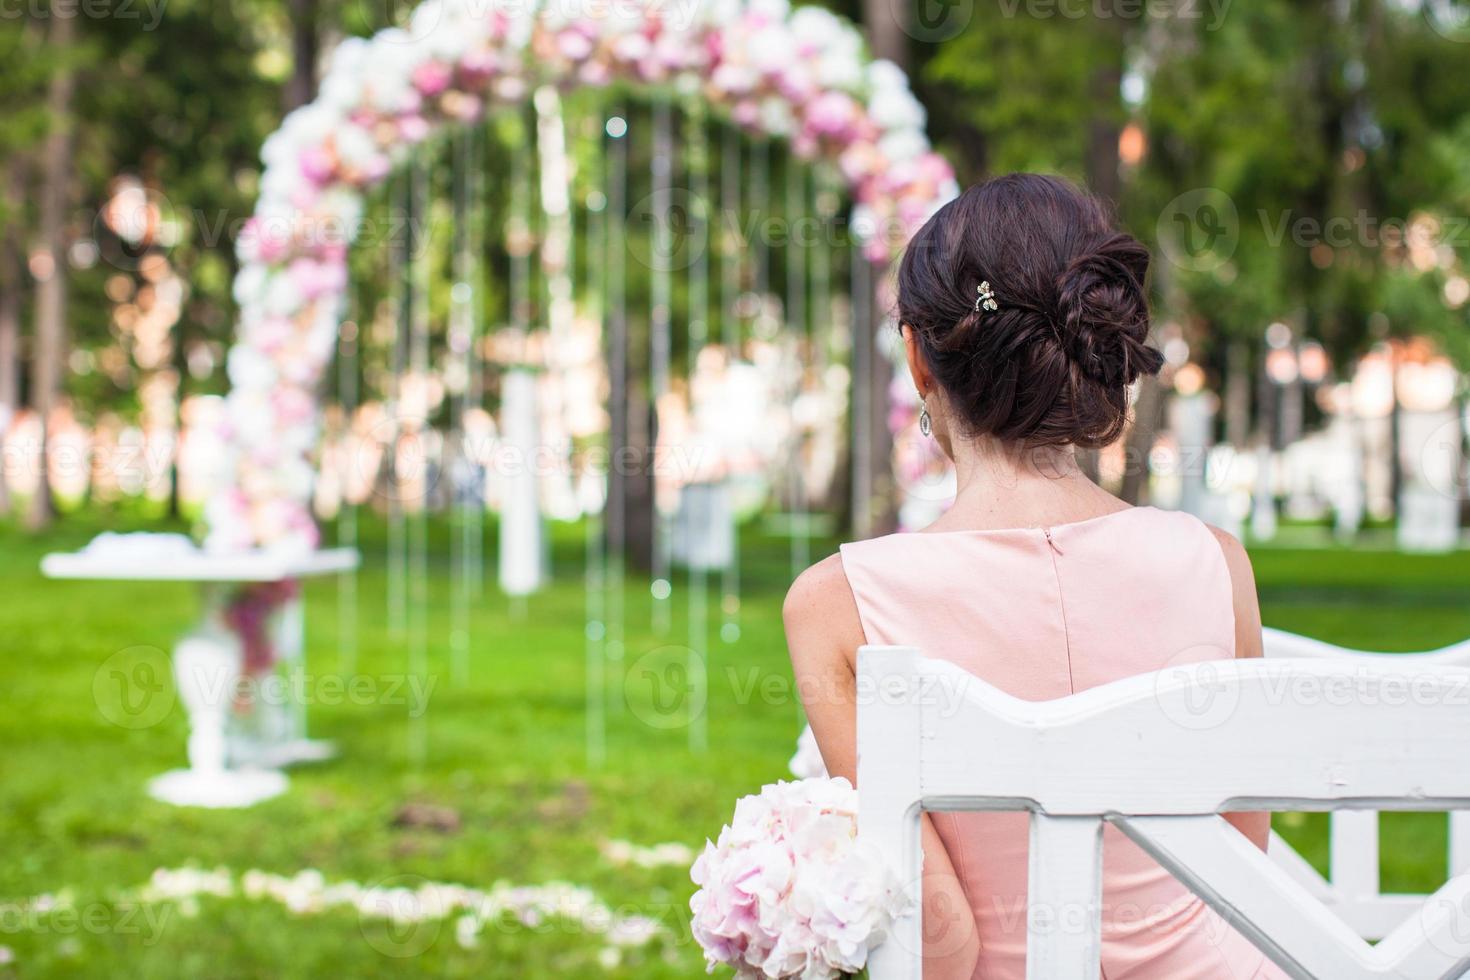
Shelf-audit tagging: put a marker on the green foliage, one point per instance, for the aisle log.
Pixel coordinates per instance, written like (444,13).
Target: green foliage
(25,67)
(1025,85)
(1293,114)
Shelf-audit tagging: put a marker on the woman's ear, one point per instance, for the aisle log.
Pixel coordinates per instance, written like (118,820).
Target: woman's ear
(918,370)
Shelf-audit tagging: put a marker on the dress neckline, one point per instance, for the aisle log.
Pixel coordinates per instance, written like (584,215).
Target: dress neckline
(1042,529)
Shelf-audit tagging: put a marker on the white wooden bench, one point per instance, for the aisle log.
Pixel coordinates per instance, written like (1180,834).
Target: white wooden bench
(1193,741)
(1352,888)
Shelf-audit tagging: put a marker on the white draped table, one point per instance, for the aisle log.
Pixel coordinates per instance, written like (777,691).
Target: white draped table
(223,772)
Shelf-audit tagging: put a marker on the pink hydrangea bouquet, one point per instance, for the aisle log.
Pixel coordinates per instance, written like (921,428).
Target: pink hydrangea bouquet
(789,890)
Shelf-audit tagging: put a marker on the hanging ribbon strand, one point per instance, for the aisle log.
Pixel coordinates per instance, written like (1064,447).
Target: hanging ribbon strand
(400,299)
(660,319)
(595,574)
(522,557)
(461,371)
(731,253)
(759,200)
(833,388)
(419,446)
(862,395)
(615,251)
(799,327)
(475,277)
(824,202)
(556,245)
(730,245)
(347,463)
(696,151)
(696,142)
(518,238)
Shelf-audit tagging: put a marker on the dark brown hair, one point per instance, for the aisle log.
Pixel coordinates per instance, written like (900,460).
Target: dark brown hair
(1052,365)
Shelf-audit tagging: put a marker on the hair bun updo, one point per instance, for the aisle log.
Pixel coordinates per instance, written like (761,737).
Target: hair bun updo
(1053,363)
(1102,312)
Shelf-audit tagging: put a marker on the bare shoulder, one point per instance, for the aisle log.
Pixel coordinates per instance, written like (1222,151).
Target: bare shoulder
(1243,594)
(820,611)
(818,592)
(1236,558)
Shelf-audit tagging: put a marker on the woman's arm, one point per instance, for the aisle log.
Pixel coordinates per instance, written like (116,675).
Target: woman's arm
(1256,826)
(823,632)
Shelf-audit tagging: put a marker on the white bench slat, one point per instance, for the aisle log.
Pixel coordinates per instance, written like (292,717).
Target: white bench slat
(1064,898)
(1280,643)
(888,809)
(1353,853)
(1253,894)
(1425,943)
(1459,857)
(1299,868)
(1068,755)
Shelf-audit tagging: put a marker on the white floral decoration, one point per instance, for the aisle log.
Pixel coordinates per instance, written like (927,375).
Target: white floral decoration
(799,75)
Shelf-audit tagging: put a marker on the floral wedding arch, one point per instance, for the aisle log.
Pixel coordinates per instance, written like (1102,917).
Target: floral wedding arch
(796,75)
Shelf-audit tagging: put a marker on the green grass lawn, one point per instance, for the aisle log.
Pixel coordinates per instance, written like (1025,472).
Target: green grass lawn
(505,751)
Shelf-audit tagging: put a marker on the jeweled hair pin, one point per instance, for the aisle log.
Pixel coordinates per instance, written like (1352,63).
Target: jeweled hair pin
(986,298)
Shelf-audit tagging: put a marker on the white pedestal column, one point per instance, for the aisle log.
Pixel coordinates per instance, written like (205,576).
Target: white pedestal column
(521,546)
(1429,501)
(1349,498)
(1193,422)
(1263,507)
(289,744)
(206,663)
(705,539)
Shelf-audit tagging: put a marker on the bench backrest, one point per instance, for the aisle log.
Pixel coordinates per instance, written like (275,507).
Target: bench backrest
(1353,887)
(1160,756)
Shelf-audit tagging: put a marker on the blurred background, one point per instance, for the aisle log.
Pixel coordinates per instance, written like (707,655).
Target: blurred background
(612,363)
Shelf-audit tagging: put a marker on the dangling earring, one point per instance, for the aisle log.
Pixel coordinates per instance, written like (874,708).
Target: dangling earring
(926,425)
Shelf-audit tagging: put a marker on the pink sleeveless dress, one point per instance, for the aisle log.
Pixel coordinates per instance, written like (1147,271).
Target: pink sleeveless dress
(1040,614)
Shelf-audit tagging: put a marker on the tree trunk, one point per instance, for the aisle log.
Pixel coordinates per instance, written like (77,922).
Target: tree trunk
(873,492)
(304,42)
(886,35)
(9,349)
(1105,95)
(12,277)
(1237,394)
(639,517)
(884,513)
(1147,414)
(50,348)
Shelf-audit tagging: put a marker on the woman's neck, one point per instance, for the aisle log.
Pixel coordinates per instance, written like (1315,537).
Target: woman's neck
(1005,485)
